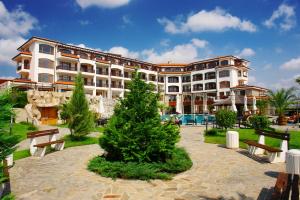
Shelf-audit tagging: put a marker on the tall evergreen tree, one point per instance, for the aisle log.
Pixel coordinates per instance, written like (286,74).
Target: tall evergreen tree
(135,132)
(79,118)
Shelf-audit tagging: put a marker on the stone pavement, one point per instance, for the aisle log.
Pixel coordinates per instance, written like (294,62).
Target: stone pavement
(217,172)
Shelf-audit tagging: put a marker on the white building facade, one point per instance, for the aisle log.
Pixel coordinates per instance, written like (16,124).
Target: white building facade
(52,65)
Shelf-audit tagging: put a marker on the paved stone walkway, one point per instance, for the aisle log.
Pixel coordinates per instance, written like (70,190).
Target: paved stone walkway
(217,172)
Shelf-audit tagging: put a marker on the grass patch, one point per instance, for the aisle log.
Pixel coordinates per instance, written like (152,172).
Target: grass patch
(95,129)
(21,154)
(84,141)
(144,171)
(21,129)
(249,134)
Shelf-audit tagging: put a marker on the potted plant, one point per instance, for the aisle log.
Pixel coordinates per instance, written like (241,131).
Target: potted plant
(280,100)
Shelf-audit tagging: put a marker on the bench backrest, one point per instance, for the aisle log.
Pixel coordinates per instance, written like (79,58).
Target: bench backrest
(282,136)
(42,133)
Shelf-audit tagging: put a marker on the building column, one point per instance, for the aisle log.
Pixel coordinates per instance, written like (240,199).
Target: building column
(205,102)
(109,92)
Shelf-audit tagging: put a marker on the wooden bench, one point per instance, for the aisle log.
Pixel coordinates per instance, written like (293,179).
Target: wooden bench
(40,149)
(274,154)
(286,184)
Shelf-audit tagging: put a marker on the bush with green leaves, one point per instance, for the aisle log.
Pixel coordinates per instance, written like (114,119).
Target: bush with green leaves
(178,162)
(212,131)
(225,118)
(135,132)
(259,122)
(76,112)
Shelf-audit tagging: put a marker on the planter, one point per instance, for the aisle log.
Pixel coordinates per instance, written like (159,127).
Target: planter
(282,120)
(10,160)
(4,189)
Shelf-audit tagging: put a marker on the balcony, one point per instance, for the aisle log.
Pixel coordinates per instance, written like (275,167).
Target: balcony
(127,76)
(186,90)
(68,55)
(117,86)
(186,80)
(89,83)
(197,88)
(99,60)
(101,84)
(101,72)
(117,74)
(88,70)
(66,68)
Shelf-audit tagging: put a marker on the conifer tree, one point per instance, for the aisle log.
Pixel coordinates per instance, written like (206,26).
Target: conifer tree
(135,132)
(79,118)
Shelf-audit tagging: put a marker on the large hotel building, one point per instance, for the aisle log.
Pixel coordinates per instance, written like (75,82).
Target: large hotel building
(45,64)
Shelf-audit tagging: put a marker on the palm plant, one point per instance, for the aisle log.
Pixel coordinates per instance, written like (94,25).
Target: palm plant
(280,100)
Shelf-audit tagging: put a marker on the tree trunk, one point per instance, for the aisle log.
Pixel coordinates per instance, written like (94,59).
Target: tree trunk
(7,189)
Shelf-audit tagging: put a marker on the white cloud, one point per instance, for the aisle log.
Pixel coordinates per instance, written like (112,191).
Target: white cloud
(165,42)
(7,77)
(293,64)
(15,23)
(180,53)
(124,52)
(246,52)
(102,3)
(285,15)
(214,20)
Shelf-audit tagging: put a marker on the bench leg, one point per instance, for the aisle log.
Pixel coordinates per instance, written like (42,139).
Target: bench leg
(59,146)
(32,148)
(274,157)
(51,139)
(41,152)
(284,149)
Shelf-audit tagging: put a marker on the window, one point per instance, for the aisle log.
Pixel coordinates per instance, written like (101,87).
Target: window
(241,82)
(45,78)
(245,74)
(224,62)
(44,48)
(197,87)
(197,77)
(46,63)
(65,78)
(84,55)
(239,73)
(67,51)
(210,75)
(224,73)
(225,84)
(172,98)
(186,88)
(173,79)
(186,79)
(173,89)
(210,86)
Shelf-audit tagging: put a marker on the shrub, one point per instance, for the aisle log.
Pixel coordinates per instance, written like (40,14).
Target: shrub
(19,98)
(225,118)
(135,133)
(179,162)
(77,114)
(212,131)
(259,122)
(31,127)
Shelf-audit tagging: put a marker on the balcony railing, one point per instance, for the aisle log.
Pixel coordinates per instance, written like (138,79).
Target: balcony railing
(69,55)
(88,70)
(197,88)
(102,72)
(197,78)
(186,89)
(66,68)
(161,80)
(116,86)
(101,84)
(186,80)
(117,74)
(65,80)
(89,83)
(210,77)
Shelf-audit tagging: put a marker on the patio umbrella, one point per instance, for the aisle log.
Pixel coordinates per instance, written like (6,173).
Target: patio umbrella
(232,97)
(245,104)
(101,105)
(254,104)
(178,104)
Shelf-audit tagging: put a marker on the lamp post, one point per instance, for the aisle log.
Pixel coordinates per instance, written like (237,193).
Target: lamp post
(206,121)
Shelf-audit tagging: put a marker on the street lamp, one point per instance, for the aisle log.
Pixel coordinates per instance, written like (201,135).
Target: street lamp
(206,121)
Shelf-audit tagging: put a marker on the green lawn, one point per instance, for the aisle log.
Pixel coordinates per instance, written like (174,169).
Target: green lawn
(21,129)
(96,129)
(248,134)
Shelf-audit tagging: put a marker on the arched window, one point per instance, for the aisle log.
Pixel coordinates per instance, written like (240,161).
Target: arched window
(84,55)
(44,48)
(173,89)
(46,63)
(67,51)
(225,84)
(210,75)
(45,78)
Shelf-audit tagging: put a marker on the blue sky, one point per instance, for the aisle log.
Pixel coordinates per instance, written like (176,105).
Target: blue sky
(266,32)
